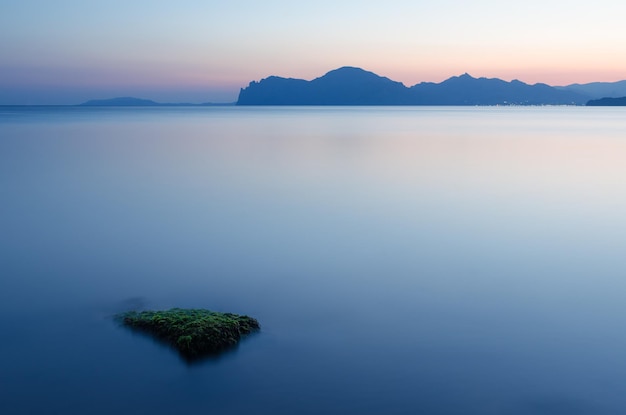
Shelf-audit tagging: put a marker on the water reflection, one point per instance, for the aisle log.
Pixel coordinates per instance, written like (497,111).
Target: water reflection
(399,260)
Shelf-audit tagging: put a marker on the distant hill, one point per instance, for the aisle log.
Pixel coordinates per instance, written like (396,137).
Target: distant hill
(596,90)
(467,90)
(343,86)
(138,102)
(355,86)
(607,102)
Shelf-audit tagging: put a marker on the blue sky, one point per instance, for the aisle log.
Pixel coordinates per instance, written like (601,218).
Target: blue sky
(68,51)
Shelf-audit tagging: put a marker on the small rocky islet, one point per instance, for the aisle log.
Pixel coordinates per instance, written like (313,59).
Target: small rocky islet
(194,333)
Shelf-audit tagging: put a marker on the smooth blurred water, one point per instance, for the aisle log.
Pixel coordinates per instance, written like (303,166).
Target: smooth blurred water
(400,260)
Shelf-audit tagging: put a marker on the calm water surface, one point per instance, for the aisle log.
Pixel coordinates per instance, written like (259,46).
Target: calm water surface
(400,260)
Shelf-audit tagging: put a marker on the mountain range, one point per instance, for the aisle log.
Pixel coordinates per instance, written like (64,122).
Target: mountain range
(355,86)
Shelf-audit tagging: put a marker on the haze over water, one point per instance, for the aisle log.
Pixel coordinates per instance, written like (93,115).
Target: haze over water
(400,260)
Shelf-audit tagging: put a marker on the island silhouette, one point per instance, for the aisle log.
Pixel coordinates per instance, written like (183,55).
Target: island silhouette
(607,102)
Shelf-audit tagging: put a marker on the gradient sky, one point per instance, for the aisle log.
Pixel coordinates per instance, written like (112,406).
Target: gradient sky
(68,51)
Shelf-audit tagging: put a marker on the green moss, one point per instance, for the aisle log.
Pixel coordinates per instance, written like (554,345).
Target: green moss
(193,332)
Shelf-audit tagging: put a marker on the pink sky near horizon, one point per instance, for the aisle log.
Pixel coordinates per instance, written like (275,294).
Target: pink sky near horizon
(199,51)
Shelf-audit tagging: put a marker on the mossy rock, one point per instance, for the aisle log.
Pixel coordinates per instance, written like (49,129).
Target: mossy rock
(195,333)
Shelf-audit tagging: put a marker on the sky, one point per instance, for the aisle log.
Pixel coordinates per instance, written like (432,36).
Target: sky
(69,51)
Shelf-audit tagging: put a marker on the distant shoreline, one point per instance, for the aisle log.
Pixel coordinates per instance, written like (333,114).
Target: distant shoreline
(118,106)
(301,105)
(140,102)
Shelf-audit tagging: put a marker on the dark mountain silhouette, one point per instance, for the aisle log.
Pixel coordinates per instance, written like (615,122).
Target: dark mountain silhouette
(607,102)
(344,86)
(596,90)
(467,90)
(355,86)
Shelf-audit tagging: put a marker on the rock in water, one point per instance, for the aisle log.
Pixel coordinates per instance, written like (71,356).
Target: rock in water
(195,333)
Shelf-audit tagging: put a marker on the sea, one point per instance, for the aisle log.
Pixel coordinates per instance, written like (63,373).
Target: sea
(400,260)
